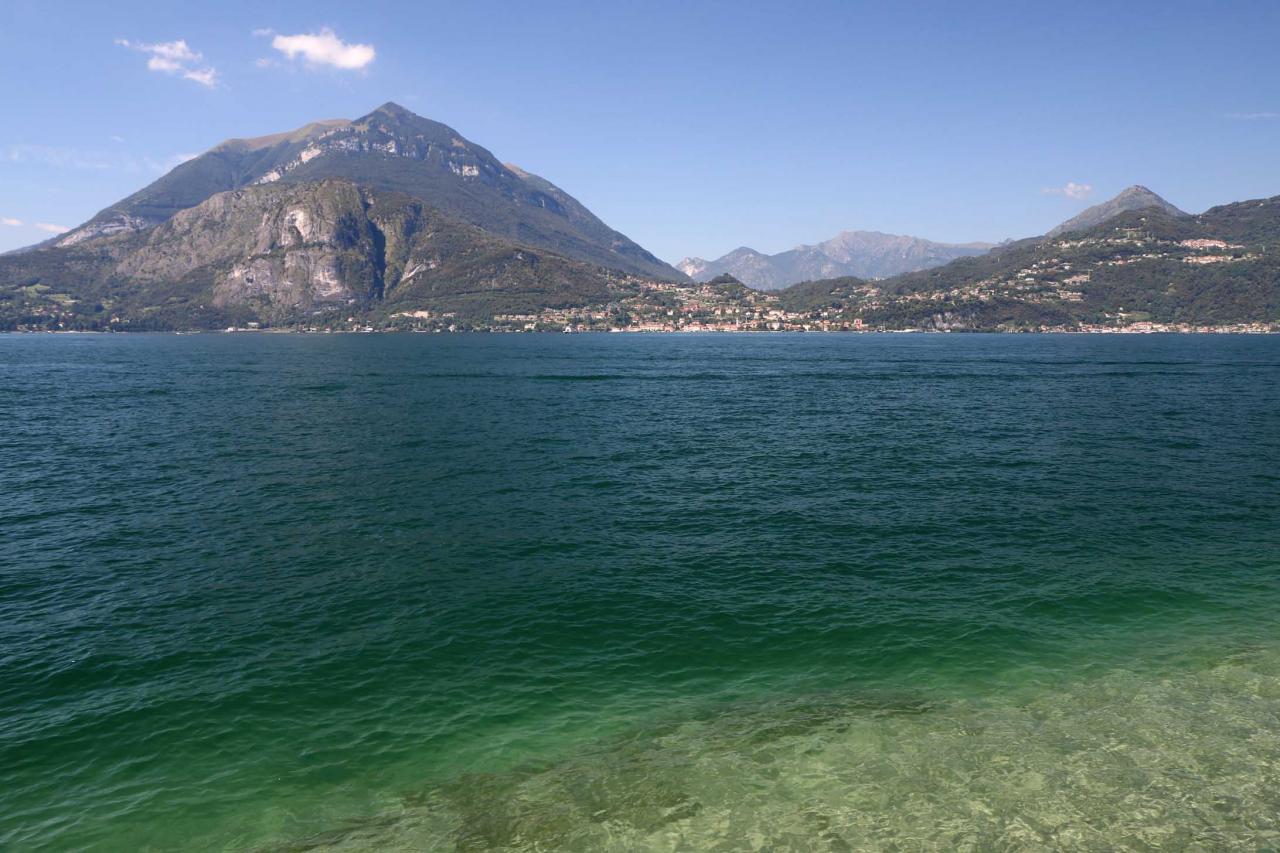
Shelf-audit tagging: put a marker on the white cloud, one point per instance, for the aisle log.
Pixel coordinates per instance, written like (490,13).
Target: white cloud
(52,229)
(176,51)
(203,76)
(175,57)
(1071,190)
(10,221)
(1252,116)
(325,48)
(263,32)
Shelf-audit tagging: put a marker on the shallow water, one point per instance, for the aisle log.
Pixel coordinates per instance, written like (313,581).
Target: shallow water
(631,592)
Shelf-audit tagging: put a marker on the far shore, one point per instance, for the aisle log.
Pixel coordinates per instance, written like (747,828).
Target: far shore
(1248,329)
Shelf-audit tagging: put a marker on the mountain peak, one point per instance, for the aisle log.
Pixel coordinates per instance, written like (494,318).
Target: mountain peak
(1136,197)
(391,108)
(1138,190)
(393,115)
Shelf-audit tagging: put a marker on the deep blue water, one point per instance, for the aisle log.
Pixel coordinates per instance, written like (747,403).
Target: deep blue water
(639,592)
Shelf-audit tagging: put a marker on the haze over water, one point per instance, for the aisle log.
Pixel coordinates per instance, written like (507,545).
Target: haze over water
(639,592)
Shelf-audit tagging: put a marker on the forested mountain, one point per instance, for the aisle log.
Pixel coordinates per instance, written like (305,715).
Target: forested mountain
(1149,265)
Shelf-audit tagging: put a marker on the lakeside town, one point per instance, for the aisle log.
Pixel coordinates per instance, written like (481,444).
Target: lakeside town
(665,307)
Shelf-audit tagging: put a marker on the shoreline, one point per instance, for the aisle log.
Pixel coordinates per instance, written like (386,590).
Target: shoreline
(1243,329)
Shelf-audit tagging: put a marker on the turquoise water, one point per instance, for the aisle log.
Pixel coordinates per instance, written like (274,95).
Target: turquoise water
(639,592)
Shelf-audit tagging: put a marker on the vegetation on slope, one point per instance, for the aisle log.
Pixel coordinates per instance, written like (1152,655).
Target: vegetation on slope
(1221,267)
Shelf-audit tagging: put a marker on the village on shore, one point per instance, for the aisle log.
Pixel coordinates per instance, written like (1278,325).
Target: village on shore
(642,305)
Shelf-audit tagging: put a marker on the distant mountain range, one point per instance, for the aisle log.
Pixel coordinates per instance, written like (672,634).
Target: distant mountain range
(873,255)
(864,254)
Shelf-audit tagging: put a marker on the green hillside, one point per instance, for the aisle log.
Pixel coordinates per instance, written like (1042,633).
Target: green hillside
(1151,265)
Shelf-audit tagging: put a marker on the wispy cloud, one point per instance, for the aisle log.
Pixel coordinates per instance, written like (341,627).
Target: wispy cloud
(10,221)
(51,228)
(325,48)
(75,158)
(64,158)
(1070,189)
(177,58)
(1252,116)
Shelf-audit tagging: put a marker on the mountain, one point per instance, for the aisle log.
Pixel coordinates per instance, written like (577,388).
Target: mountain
(293,252)
(1134,198)
(744,264)
(390,149)
(389,212)
(1155,264)
(863,254)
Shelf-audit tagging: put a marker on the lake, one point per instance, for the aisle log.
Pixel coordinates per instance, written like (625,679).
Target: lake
(669,592)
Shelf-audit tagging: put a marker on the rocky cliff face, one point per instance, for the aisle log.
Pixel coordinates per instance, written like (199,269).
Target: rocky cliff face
(289,247)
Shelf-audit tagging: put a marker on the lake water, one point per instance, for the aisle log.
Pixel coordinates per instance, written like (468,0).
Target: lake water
(614,592)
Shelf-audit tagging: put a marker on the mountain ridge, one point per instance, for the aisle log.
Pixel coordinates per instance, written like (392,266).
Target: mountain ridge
(307,131)
(863,254)
(1154,264)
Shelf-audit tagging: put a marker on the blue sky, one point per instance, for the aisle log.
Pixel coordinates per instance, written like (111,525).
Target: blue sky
(692,127)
